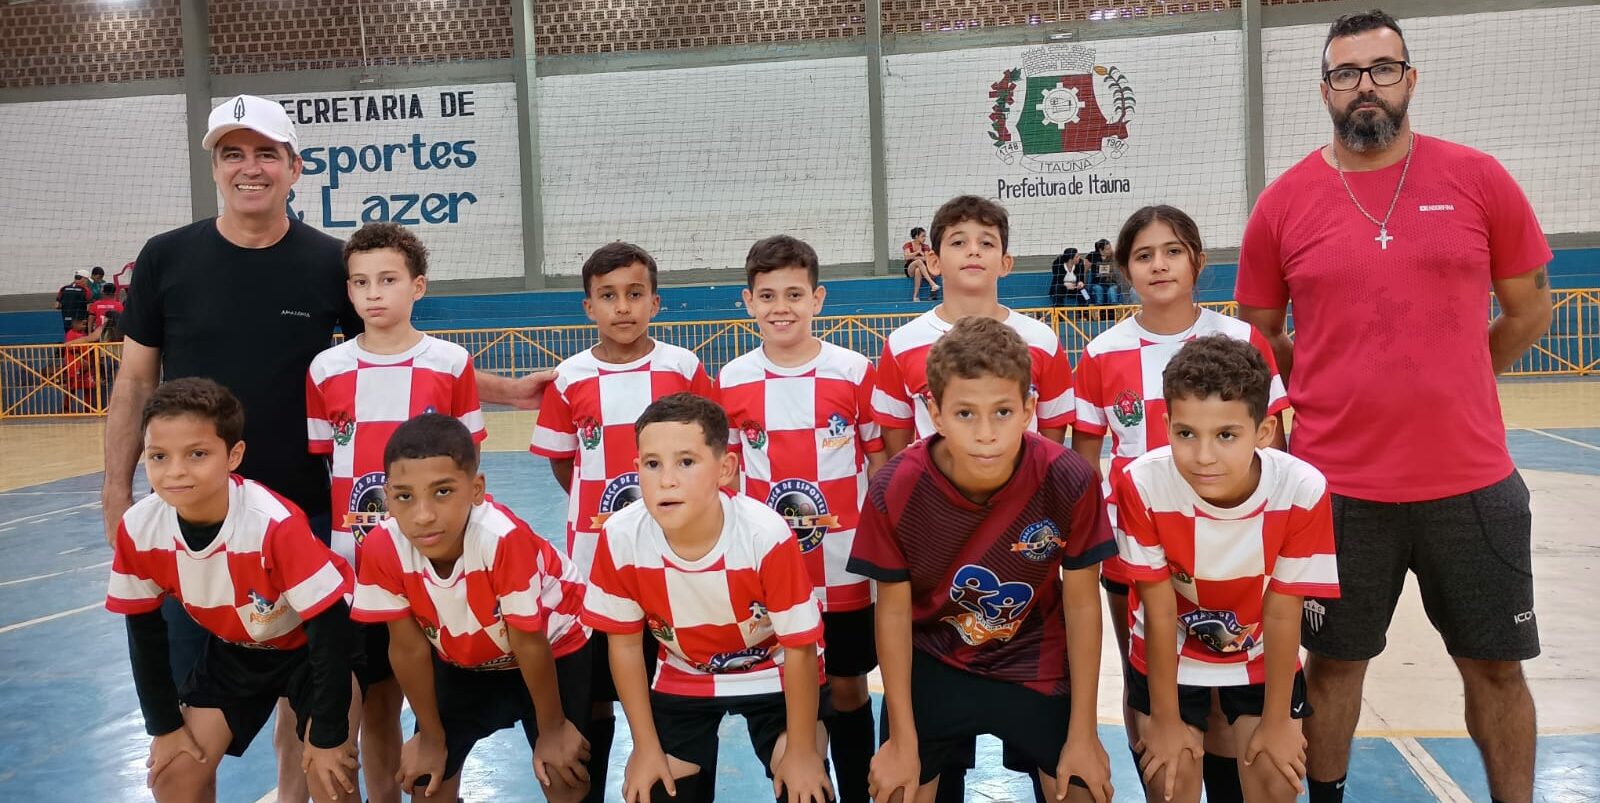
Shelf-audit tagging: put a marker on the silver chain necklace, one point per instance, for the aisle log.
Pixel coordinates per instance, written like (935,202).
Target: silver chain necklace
(1383,237)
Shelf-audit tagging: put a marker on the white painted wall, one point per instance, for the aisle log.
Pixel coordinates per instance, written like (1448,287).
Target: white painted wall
(86,182)
(697,164)
(464,200)
(1519,85)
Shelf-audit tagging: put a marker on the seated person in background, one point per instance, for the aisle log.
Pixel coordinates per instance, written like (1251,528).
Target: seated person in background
(915,251)
(1066,279)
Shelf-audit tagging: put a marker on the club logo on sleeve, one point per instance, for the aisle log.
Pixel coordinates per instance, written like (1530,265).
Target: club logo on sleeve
(344,428)
(429,630)
(619,493)
(264,611)
(754,434)
(1220,631)
(990,609)
(368,507)
(1039,541)
(589,433)
(736,661)
(838,432)
(804,507)
(1128,408)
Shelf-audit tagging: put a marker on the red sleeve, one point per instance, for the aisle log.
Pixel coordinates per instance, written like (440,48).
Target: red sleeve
(311,576)
(611,605)
(1260,281)
(1090,394)
(1138,542)
(868,431)
(518,577)
(891,404)
(554,435)
(1306,563)
(380,584)
(789,594)
(1057,408)
(132,590)
(874,553)
(318,428)
(1088,536)
(1516,241)
(464,402)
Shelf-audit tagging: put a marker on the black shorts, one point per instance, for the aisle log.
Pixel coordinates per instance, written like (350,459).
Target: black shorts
(1194,702)
(851,643)
(244,683)
(952,707)
(687,726)
(1473,558)
(374,664)
(601,687)
(475,704)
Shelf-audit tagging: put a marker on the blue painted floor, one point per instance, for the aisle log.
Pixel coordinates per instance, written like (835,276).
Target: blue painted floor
(70,728)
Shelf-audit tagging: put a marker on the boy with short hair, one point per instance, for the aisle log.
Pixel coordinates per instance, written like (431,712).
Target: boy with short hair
(801,411)
(985,540)
(586,428)
(720,580)
(357,394)
(1224,538)
(245,565)
(482,615)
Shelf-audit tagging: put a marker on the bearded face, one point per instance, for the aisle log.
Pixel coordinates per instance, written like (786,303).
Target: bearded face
(1368,121)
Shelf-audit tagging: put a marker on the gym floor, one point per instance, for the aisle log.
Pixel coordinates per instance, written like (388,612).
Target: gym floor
(70,728)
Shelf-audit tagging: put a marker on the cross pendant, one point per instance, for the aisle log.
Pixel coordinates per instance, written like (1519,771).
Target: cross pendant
(1383,237)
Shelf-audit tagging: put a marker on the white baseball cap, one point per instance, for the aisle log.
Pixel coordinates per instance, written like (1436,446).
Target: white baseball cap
(260,115)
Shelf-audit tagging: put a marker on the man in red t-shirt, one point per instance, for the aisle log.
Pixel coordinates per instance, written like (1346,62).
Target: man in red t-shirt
(1386,241)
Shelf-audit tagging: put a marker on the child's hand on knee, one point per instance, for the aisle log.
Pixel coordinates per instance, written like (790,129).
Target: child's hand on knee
(422,756)
(801,773)
(333,767)
(559,757)
(168,746)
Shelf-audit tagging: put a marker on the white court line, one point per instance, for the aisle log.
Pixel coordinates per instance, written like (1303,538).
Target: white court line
(52,617)
(1560,438)
(5,583)
(1433,776)
(95,503)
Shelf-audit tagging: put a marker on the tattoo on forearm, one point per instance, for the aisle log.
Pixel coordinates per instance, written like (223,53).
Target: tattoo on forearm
(1539,279)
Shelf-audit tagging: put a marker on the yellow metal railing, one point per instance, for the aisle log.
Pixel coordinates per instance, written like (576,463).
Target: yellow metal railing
(51,381)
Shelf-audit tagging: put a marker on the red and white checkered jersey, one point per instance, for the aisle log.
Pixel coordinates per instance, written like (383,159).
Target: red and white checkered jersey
(901,398)
(507,576)
(723,620)
(587,416)
(1119,389)
(254,584)
(803,434)
(1221,561)
(356,399)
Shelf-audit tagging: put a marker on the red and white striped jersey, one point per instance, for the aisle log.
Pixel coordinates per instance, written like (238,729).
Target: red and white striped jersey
(901,398)
(507,576)
(722,621)
(356,399)
(1119,390)
(254,584)
(803,435)
(1221,561)
(587,416)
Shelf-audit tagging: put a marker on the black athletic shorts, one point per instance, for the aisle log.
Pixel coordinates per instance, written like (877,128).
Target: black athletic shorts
(601,687)
(244,683)
(1472,555)
(476,703)
(374,665)
(687,726)
(1194,702)
(952,707)
(851,643)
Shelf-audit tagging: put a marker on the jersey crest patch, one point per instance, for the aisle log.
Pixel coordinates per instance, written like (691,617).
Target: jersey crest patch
(754,434)
(264,611)
(1220,631)
(662,631)
(1128,408)
(838,432)
(368,507)
(736,661)
(804,507)
(589,433)
(991,609)
(619,493)
(344,429)
(1039,541)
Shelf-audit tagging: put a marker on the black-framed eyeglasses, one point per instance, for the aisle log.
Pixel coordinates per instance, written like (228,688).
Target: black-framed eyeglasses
(1386,73)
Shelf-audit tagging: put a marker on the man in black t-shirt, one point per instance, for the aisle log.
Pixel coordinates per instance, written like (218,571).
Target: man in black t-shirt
(247,299)
(73,299)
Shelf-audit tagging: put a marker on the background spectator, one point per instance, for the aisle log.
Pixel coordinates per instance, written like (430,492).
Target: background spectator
(1067,280)
(73,299)
(916,252)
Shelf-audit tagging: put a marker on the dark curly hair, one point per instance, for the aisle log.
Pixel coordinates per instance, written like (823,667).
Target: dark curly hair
(687,408)
(378,236)
(1359,23)
(1222,366)
(970,207)
(616,256)
(432,435)
(778,252)
(199,397)
(977,347)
